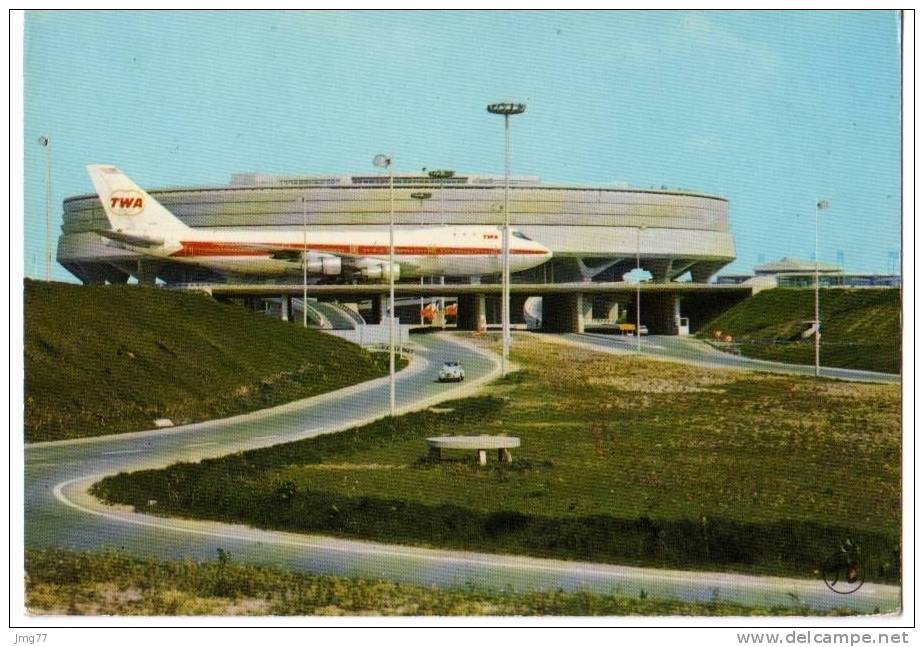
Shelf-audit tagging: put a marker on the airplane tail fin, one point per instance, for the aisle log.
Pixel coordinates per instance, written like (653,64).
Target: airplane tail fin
(128,207)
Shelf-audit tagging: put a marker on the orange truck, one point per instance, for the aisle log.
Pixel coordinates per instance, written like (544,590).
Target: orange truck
(625,328)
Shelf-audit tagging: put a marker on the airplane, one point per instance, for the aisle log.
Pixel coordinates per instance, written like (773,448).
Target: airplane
(141,224)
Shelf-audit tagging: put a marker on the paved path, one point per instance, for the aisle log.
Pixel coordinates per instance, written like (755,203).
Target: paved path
(695,351)
(59,512)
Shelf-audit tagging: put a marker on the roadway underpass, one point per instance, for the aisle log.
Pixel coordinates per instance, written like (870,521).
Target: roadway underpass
(566,307)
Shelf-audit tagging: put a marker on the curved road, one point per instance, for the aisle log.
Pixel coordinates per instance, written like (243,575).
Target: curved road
(59,512)
(695,351)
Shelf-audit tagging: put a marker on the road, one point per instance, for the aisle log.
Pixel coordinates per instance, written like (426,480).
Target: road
(49,521)
(695,351)
(59,512)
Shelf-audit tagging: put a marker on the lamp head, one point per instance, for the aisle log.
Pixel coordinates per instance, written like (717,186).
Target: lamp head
(508,108)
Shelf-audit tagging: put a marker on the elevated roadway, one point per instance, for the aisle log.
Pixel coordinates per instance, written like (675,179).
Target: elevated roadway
(566,307)
(354,291)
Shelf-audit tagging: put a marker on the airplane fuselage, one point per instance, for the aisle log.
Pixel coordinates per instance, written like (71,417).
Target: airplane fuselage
(430,251)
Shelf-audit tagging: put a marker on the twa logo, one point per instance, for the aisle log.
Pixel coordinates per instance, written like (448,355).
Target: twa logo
(126,203)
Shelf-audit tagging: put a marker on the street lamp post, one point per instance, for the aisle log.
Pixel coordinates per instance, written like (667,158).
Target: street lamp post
(420,196)
(819,206)
(304,263)
(385,161)
(506,109)
(440,175)
(45,143)
(638,288)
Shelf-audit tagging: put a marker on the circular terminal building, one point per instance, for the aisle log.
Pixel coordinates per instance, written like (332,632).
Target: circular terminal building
(595,232)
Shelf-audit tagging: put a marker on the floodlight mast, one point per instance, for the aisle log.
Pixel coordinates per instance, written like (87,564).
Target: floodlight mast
(506,109)
(385,161)
(304,263)
(817,319)
(638,288)
(45,143)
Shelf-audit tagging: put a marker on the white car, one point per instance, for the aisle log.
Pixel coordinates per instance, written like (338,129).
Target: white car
(451,372)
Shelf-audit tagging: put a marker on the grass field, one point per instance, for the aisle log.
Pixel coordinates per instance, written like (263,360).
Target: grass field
(623,460)
(63,582)
(861,328)
(111,359)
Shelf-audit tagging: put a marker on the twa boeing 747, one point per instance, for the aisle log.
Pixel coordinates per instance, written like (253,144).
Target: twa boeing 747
(141,224)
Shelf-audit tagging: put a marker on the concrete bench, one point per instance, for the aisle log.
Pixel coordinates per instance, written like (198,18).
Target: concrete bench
(481,444)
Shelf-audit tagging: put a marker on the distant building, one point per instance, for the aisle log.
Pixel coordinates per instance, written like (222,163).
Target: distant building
(788,265)
(799,273)
(732,279)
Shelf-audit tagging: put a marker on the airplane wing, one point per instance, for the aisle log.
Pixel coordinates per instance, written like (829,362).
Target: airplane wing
(367,266)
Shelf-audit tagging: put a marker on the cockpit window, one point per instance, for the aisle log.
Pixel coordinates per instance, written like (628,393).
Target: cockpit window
(520,234)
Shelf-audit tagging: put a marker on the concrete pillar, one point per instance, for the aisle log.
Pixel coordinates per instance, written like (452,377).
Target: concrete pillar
(517,301)
(470,312)
(147,272)
(492,310)
(482,457)
(659,313)
(701,272)
(375,310)
(677,315)
(606,307)
(504,456)
(660,270)
(587,311)
(100,273)
(285,308)
(563,312)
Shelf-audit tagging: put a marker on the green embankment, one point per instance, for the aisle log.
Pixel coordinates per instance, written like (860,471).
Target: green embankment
(623,460)
(111,583)
(861,328)
(112,359)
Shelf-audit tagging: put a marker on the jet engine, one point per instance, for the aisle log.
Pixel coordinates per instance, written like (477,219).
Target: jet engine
(381,271)
(315,263)
(326,265)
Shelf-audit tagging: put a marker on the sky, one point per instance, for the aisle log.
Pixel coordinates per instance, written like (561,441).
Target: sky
(772,110)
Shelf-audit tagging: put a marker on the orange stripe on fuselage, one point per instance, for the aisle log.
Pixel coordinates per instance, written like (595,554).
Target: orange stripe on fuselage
(207,248)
